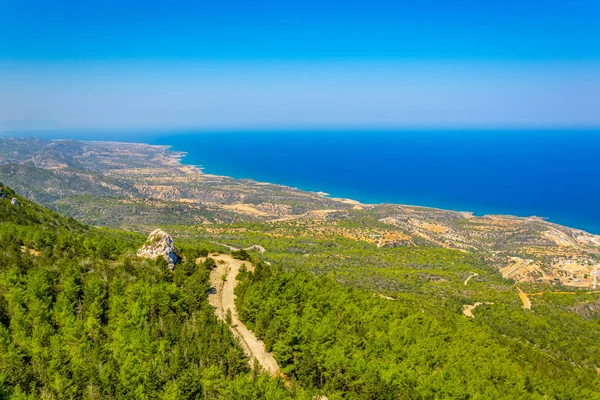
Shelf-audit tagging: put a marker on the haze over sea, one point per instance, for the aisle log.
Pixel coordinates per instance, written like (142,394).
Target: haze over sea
(553,174)
(192,66)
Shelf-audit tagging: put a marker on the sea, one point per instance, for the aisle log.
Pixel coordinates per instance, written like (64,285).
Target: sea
(554,174)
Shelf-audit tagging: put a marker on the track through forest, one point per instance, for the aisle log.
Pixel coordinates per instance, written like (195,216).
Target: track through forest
(473,275)
(524,298)
(222,298)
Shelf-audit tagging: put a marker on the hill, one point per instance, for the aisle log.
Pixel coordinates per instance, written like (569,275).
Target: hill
(82,317)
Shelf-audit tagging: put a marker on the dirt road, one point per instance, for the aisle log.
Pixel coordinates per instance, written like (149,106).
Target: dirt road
(473,275)
(524,299)
(468,308)
(222,297)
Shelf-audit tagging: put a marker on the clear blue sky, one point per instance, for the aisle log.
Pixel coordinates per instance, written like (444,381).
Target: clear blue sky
(223,64)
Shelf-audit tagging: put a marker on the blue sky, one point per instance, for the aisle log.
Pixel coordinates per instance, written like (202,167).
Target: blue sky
(262,64)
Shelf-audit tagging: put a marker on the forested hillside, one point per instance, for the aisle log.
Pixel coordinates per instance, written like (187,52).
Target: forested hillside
(81,317)
(353,344)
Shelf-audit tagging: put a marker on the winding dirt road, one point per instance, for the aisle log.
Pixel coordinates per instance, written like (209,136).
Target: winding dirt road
(222,298)
(473,275)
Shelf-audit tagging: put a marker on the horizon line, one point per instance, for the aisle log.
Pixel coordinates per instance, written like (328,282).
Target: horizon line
(291,128)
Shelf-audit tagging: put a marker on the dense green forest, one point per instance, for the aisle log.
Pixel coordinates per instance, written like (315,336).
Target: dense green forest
(563,326)
(351,343)
(81,317)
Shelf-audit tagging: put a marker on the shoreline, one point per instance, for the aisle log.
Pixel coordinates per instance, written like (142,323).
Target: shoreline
(158,187)
(347,200)
(177,158)
(562,218)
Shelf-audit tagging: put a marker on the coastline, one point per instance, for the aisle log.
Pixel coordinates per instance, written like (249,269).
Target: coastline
(179,158)
(181,155)
(475,172)
(548,252)
(484,172)
(144,185)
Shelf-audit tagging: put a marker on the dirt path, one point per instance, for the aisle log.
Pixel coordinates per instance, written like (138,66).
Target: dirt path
(518,264)
(222,297)
(524,299)
(473,275)
(468,308)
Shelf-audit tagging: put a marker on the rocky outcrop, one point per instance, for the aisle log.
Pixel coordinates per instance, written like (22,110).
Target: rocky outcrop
(160,244)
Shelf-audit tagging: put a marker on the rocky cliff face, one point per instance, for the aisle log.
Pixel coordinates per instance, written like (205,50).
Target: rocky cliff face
(160,244)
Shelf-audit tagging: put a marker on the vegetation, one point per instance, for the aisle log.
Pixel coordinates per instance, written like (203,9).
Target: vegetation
(241,255)
(138,187)
(348,343)
(81,317)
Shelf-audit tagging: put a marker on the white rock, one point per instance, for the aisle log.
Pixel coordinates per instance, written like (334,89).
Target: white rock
(160,244)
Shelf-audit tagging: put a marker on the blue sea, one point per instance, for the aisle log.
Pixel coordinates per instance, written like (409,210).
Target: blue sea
(553,174)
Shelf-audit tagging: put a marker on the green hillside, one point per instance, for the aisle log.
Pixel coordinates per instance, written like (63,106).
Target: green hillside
(417,346)
(81,317)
